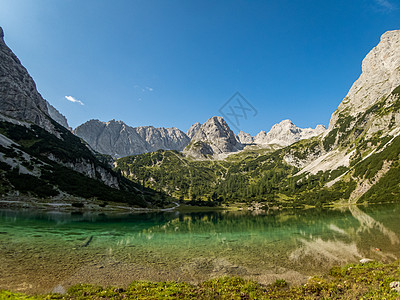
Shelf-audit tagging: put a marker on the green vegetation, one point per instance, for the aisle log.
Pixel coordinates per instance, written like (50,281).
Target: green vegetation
(254,175)
(53,176)
(356,281)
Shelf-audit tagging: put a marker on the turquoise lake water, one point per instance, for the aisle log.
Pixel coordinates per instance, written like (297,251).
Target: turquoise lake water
(50,251)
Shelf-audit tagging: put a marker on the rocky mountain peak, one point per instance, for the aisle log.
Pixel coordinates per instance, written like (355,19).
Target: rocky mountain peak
(244,138)
(380,76)
(193,129)
(1,33)
(214,137)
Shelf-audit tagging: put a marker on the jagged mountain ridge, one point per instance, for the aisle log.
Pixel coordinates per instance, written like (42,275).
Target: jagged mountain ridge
(283,134)
(117,139)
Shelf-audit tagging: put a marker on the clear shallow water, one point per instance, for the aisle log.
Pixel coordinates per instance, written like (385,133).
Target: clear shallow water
(43,251)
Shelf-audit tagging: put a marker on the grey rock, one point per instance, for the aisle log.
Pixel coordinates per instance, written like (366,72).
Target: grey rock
(244,138)
(19,98)
(214,137)
(193,129)
(57,116)
(117,139)
(380,76)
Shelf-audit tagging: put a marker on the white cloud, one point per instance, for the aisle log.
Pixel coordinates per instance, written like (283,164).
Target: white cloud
(385,4)
(72,99)
(143,89)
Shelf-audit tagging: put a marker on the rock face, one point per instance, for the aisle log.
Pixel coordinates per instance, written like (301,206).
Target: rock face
(193,129)
(245,138)
(380,76)
(286,133)
(118,139)
(370,112)
(19,98)
(214,137)
(57,116)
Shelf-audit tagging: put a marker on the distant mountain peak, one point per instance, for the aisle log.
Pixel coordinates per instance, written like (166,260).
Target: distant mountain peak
(286,133)
(214,137)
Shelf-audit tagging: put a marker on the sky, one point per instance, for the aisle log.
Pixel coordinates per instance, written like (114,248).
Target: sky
(170,63)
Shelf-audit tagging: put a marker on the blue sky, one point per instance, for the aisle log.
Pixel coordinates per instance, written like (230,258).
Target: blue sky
(173,63)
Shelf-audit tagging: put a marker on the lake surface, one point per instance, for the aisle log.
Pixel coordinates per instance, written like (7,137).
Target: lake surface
(46,251)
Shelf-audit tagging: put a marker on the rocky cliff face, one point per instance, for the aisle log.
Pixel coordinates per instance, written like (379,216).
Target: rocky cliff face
(19,98)
(193,129)
(57,116)
(286,133)
(245,138)
(214,137)
(117,139)
(368,118)
(380,76)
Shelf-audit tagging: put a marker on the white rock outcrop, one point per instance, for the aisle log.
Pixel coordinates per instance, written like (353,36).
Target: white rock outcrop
(286,133)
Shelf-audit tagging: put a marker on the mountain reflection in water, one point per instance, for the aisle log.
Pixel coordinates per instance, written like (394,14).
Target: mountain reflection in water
(41,251)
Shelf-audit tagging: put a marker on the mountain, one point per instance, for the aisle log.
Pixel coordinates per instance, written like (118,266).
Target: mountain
(286,133)
(39,158)
(245,138)
(356,160)
(213,138)
(117,139)
(57,116)
(193,129)
(19,97)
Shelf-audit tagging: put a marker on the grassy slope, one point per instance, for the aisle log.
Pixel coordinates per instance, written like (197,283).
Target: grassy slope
(367,281)
(248,176)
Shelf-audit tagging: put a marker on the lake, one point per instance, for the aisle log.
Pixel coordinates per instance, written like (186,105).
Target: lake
(50,251)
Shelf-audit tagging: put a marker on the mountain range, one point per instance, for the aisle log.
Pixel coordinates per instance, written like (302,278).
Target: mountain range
(357,159)
(117,139)
(213,139)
